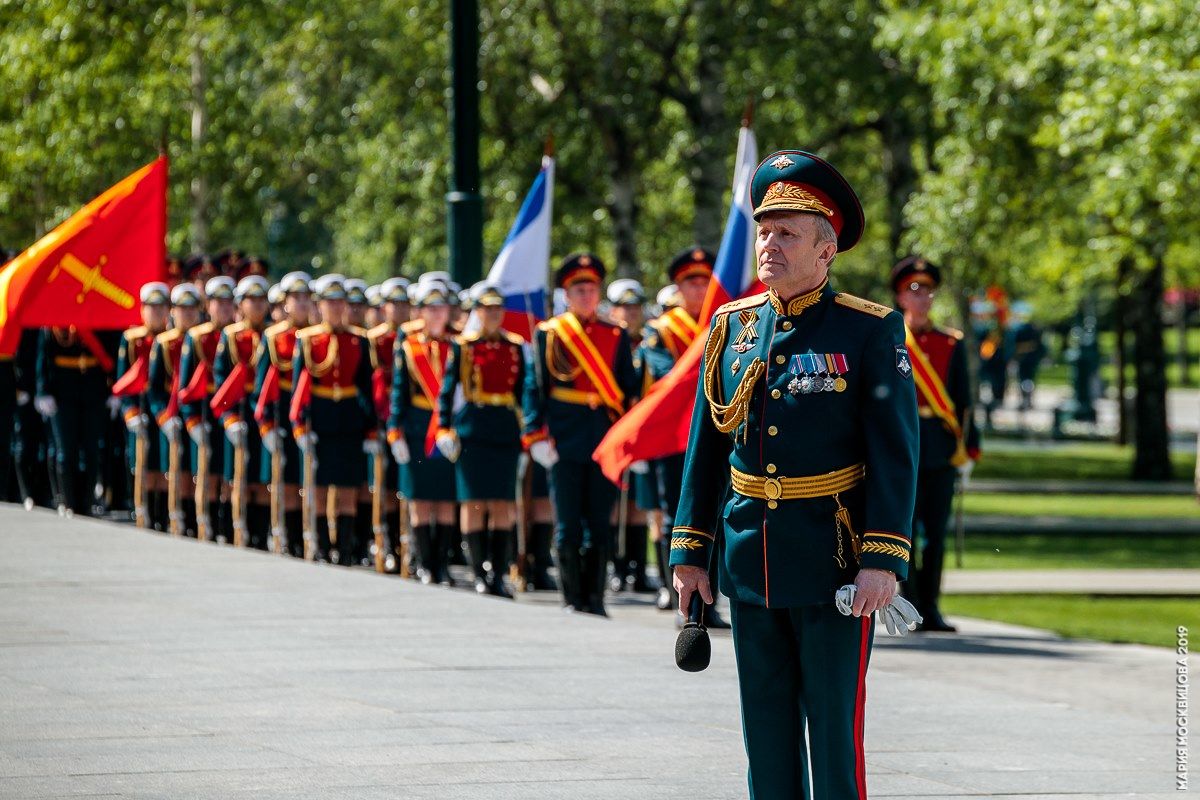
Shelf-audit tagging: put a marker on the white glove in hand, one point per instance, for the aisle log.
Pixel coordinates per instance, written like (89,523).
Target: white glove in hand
(898,616)
(171,427)
(307,441)
(372,447)
(640,467)
(400,451)
(448,445)
(114,406)
(22,398)
(273,441)
(199,432)
(136,423)
(543,452)
(45,405)
(964,471)
(236,434)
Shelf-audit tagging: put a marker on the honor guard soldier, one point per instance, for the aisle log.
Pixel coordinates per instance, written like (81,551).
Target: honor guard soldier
(359,306)
(197,387)
(234,368)
(33,456)
(949,444)
(133,371)
(199,269)
(275,297)
(629,560)
(583,380)
(274,383)
(806,406)
(374,306)
(426,479)
(356,301)
(482,437)
(162,392)
(336,420)
(394,311)
(668,337)
(72,387)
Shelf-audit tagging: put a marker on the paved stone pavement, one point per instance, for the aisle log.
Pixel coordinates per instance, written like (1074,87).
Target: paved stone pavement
(1073,581)
(133,665)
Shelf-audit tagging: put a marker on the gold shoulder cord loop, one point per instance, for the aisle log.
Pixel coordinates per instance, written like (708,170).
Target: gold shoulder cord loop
(728,416)
(560,370)
(319,370)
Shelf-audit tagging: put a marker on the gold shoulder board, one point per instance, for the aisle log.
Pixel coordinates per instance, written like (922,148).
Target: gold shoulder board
(858,304)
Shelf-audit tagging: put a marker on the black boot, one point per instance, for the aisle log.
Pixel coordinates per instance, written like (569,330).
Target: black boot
(667,597)
(929,591)
(541,536)
(157,503)
(712,619)
(454,546)
(477,547)
(443,539)
(224,526)
(570,576)
(365,535)
(595,578)
(423,534)
(635,554)
(293,521)
(189,516)
(324,546)
(498,555)
(258,520)
(346,540)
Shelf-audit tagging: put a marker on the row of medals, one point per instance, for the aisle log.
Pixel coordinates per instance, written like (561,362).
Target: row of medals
(812,384)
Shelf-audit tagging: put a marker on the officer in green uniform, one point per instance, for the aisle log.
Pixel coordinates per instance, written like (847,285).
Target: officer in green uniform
(582,381)
(806,407)
(482,435)
(949,445)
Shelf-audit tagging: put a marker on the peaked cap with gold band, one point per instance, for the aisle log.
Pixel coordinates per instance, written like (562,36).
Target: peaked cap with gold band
(579,267)
(693,262)
(918,269)
(793,180)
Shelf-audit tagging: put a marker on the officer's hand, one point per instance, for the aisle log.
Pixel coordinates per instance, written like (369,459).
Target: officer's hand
(22,398)
(400,451)
(372,447)
(273,441)
(236,433)
(306,441)
(448,445)
(875,589)
(640,467)
(543,452)
(691,579)
(114,406)
(199,432)
(46,405)
(136,423)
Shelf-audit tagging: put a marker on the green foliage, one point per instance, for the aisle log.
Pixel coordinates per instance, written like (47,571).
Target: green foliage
(1092,551)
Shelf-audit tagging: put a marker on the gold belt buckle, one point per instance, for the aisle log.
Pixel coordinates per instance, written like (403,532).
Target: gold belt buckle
(772,488)
(593,401)
(337,392)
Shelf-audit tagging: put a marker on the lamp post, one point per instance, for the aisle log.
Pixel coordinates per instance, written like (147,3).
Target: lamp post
(464,202)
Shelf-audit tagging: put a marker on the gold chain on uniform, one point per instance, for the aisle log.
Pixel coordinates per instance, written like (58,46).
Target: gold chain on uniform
(728,416)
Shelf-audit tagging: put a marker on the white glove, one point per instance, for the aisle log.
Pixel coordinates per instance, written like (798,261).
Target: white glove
(137,423)
(171,427)
(306,441)
(449,446)
(964,471)
(372,447)
(273,441)
(898,616)
(45,405)
(114,406)
(236,433)
(199,432)
(22,397)
(543,452)
(640,467)
(400,451)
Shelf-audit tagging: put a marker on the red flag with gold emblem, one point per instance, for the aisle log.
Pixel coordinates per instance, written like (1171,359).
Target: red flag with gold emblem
(88,271)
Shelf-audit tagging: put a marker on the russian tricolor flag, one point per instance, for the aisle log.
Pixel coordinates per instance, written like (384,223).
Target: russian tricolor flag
(735,272)
(520,271)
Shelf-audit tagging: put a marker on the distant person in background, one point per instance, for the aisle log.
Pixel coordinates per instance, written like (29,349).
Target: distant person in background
(949,444)
(1028,351)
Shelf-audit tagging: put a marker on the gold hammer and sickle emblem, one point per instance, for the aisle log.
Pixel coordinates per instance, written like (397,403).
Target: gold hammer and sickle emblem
(91,279)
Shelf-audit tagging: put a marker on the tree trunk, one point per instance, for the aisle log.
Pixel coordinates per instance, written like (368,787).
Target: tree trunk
(714,136)
(1120,320)
(900,174)
(623,207)
(1152,454)
(199,218)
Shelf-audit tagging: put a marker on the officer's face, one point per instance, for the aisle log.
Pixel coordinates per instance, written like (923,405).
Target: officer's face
(583,298)
(629,316)
(185,316)
(334,311)
(254,309)
(492,317)
(155,317)
(298,306)
(790,259)
(397,313)
(221,312)
(915,297)
(436,318)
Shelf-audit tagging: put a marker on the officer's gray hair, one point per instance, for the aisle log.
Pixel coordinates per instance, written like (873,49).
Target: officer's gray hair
(824,230)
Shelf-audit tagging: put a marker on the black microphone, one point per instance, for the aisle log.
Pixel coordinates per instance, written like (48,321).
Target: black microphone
(692,647)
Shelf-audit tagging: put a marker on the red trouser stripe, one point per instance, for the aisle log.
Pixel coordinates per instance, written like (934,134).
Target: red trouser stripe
(860,708)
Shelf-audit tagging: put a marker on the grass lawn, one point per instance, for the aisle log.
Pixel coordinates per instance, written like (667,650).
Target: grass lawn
(994,551)
(1079,505)
(1144,620)
(1076,461)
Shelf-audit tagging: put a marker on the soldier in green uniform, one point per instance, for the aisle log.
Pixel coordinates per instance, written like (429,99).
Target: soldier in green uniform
(949,444)
(806,407)
(277,352)
(337,424)
(582,381)
(426,479)
(482,436)
(394,312)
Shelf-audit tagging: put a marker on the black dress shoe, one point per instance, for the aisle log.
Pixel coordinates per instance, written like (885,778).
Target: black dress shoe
(934,623)
(714,621)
